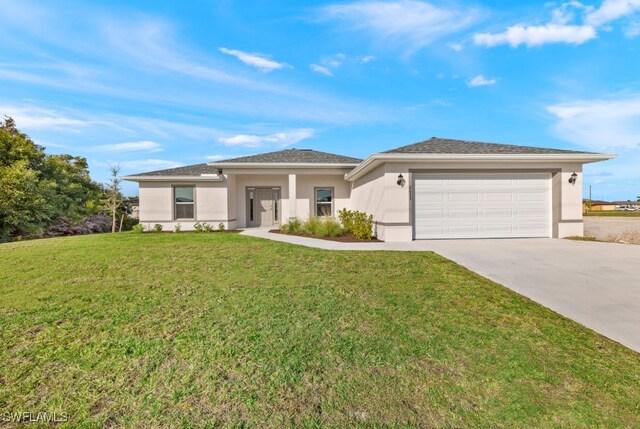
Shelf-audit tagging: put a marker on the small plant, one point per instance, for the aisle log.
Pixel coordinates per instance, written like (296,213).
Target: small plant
(207,227)
(221,227)
(198,227)
(357,223)
(137,228)
(313,226)
(157,227)
(177,228)
(330,228)
(294,226)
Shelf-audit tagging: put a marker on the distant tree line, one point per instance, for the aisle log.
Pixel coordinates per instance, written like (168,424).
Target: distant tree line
(37,189)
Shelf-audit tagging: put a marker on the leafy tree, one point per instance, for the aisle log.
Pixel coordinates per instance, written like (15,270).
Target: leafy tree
(36,189)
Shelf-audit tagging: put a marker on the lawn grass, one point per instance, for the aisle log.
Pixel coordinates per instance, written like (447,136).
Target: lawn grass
(613,213)
(222,330)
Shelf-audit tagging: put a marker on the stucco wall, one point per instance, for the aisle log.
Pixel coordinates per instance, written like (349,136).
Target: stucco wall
(378,193)
(157,205)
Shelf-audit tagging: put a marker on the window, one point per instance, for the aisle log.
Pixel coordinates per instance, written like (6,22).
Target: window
(324,202)
(276,200)
(185,206)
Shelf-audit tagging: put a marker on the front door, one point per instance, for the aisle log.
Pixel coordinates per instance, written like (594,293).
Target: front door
(261,203)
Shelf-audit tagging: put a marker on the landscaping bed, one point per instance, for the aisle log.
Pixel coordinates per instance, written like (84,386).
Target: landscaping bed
(346,238)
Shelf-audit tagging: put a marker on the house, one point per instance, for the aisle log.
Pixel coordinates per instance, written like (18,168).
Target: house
(438,188)
(599,206)
(626,205)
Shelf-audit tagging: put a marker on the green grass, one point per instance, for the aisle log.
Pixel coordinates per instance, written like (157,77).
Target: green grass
(222,330)
(613,213)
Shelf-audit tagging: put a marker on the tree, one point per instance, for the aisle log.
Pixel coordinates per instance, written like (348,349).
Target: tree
(114,196)
(37,189)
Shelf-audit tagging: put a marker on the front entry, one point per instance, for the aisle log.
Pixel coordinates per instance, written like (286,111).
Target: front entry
(262,206)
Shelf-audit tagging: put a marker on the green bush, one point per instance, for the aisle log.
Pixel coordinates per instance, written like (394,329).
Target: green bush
(157,227)
(357,223)
(313,226)
(221,227)
(294,226)
(207,227)
(330,228)
(177,228)
(198,227)
(137,228)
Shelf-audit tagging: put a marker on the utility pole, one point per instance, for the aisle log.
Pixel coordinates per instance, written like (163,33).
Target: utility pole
(590,193)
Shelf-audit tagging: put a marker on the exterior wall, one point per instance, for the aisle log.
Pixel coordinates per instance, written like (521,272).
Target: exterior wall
(378,193)
(305,185)
(211,205)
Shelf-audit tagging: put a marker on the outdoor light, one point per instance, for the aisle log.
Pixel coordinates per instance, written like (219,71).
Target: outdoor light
(401,180)
(573,178)
(220,171)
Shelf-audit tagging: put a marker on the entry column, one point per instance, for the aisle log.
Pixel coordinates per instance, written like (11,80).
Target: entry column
(292,196)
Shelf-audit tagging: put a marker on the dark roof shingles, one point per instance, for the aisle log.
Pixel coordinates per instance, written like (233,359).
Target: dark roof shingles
(438,145)
(189,170)
(294,156)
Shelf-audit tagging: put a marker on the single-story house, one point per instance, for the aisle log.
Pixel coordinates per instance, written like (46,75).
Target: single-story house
(633,205)
(435,189)
(600,206)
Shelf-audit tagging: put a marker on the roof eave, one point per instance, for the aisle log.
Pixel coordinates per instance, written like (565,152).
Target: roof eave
(378,158)
(281,165)
(198,178)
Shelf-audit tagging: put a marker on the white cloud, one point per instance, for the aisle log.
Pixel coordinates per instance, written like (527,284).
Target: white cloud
(632,30)
(42,118)
(144,145)
(480,80)
(366,59)
(408,24)
(611,10)
(321,69)
(537,35)
(282,139)
(455,46)
(259,61)
(599,124)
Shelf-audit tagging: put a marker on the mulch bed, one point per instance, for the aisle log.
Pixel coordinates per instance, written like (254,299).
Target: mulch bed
(348,238)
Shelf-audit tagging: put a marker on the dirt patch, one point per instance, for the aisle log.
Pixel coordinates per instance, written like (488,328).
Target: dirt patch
(347,238)
(614,229)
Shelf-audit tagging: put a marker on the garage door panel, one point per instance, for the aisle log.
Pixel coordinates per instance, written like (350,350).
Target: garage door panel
(482,206)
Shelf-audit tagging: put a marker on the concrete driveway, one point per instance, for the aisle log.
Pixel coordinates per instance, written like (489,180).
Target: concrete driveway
(595,284)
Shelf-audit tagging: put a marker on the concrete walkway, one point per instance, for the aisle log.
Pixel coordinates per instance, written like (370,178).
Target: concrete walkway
(595,284)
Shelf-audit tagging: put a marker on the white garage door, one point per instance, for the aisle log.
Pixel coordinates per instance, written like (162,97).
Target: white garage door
(482,206)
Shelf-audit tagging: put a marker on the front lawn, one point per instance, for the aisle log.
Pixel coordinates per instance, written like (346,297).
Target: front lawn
(615,213)
(222,330)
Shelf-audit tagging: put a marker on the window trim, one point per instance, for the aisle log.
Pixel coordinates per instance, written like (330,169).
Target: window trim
(315,199)
(175,203)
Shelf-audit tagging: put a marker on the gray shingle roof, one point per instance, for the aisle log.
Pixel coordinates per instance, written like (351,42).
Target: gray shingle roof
(189,170)
(295,156)
(449,146)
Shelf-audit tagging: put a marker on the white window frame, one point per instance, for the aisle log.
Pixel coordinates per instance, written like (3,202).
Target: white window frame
(176,203)
(315,199)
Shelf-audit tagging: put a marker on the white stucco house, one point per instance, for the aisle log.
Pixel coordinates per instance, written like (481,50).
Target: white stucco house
(435,189)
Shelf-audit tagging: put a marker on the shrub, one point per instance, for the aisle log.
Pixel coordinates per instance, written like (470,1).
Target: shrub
(137,228)
(313,226)
(198,227)
(292,227)
(330,228)
(157,227)
(221,227)
(177,228)
(358,223)
(207,227)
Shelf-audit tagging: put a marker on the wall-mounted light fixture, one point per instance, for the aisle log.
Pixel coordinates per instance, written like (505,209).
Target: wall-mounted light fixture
(219,171)
(573,178)
(401,180)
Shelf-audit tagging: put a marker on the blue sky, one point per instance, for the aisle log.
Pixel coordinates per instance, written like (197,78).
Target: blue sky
(158,84)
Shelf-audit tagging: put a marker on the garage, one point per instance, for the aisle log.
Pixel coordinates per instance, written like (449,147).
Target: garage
(488,205)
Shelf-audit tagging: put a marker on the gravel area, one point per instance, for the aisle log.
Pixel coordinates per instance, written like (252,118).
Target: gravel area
(617,229)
